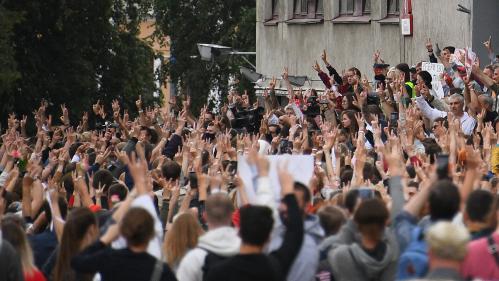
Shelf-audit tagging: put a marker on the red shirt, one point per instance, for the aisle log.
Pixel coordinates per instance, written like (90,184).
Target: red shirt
(34,275)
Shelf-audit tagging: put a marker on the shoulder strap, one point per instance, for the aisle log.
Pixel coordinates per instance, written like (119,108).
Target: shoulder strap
(158,270)
(493,248)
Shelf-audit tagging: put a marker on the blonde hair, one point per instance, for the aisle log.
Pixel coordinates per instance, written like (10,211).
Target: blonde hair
(182,236)
(448,241)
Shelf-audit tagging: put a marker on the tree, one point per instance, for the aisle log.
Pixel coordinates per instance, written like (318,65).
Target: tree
(76,52)
(224,22)
(8,65)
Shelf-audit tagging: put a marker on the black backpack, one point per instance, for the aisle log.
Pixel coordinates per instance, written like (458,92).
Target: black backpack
(210,260)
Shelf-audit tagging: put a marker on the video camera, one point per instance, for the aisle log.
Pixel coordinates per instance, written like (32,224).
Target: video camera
(247,120)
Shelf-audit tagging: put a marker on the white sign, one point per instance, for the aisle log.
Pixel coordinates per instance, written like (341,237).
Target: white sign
(301,168)
(436,70)
(405,25)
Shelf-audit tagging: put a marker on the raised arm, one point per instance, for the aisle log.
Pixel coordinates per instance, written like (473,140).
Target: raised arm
(293,237)
(486,80)
(332,71)
(426,110)
(429,48)
(490,51)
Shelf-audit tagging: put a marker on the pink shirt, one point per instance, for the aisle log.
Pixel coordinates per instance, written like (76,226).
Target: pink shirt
(479,263)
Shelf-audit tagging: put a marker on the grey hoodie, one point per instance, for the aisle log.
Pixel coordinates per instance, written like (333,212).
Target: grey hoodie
(306,263)
(351,262)
(348,234)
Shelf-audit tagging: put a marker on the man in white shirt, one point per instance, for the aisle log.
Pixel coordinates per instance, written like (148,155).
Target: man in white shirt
(456,105)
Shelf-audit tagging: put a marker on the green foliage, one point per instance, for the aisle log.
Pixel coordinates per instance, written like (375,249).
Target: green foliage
(76,52)
(8,65)
(224,22)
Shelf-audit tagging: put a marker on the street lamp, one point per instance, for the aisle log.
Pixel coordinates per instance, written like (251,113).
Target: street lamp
(209,52)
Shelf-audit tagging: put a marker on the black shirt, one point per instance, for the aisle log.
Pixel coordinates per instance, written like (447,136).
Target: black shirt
(247,267)
(260,267)
(118,265)
(490,116)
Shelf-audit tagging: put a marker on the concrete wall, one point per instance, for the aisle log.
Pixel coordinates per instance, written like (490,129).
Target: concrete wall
(485,23)
(353,44)
(440,21)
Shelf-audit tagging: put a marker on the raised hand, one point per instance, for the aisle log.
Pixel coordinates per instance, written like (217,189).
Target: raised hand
(376,56)
(285,74)
(84,119)
(65,114)
(330,138)
(115,106)
(316,67)
(97,107)
(273,83)
(138,103)
(360,120)
(324,57)
(488,44)
(429,45)
(99,192)
(138,171)
(285,179)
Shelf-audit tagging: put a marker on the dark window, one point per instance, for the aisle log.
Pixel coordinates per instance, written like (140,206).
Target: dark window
(393,7)
(320,7)
(366,7)
(308,9)
(346,7)
(275,9)
(355,7)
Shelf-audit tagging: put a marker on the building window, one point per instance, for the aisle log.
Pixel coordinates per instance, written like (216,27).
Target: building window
(355,7)
(308,9)
(393,7)
(320,8)
(275,9)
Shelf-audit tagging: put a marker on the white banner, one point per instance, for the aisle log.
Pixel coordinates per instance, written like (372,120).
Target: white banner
(436,70)
(301,168)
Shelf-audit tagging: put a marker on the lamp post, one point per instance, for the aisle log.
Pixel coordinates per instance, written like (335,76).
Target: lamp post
(209,52)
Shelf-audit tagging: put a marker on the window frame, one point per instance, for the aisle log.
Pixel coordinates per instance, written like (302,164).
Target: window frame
(311,11)
(275,10)
(358,9)
(395,12)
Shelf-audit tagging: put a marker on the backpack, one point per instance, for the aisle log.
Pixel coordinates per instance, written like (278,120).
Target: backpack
(158,270)
(413,263)
(492,248)
(324,271)
(210,260)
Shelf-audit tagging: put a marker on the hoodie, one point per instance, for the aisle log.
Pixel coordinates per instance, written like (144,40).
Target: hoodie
(348,234)
(351,262)
(222,241)
(306,263)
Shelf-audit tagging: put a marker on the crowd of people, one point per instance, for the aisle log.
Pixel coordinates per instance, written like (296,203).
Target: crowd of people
(404,184)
